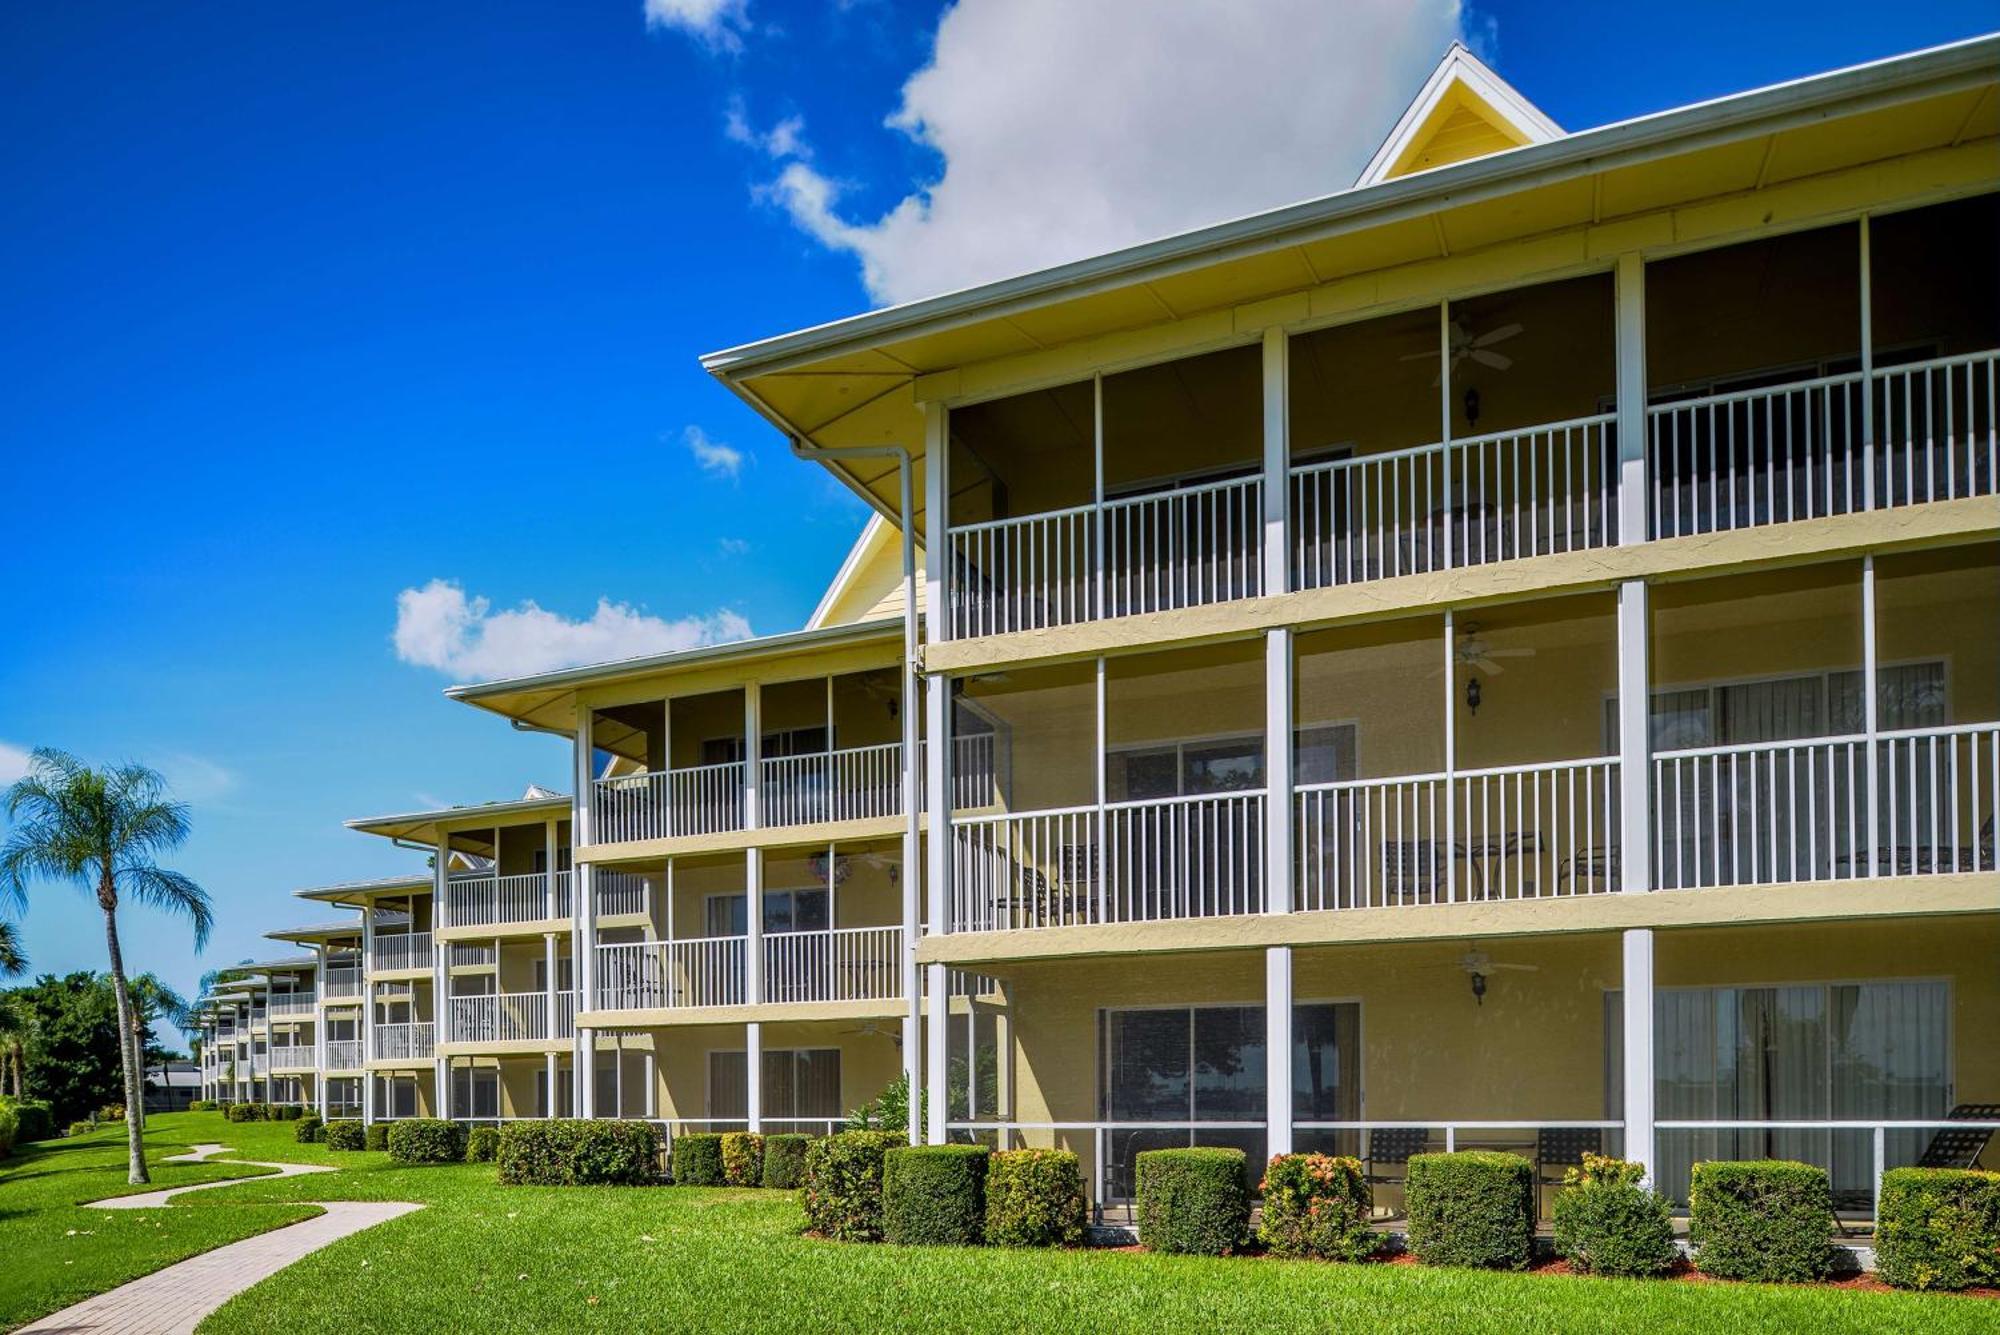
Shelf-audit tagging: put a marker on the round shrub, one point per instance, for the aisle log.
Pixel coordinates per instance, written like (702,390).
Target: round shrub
(1034,1198)
(482,1144)
(1316,1206)
(934,1195)
(34,1120)
(239,1112)
(580,1152)
(843,1186)
(307,1131)
(345,1134)
(698,1159)
(80,1128)
(376,1136)
(1768,1220)
(1607,1223)
(10,1128)
(1193,1201)
(419,1140)
(1938,1228)
(785,1161)
(111,1112)
(742,1159)
(1473,1208)
(287,1112)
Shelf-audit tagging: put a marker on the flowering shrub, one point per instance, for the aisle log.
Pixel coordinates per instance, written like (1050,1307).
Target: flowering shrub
(1317,1206)
(742,1159)
(1607,1223)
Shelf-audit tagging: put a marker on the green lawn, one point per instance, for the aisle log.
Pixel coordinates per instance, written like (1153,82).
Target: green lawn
(52,1253)
(485,1258)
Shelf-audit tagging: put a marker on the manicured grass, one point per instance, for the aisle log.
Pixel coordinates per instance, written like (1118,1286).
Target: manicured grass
(53,1253)
(487,1258)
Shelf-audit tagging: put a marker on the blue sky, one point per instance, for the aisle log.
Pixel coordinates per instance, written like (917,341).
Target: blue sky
(302,308)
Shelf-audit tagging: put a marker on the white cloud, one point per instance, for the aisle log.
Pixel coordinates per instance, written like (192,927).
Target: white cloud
(437,626)
(13,762)
(786,139)
(734,546)
(718,23)
(712,456)
(1068,130)
(194,778)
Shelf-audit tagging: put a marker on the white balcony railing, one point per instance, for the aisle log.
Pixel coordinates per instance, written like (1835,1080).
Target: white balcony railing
(1182,547)
(859,783)
(844,964)
(1514,832)
(619,892)
(486,901)
(505,1017)
(1497,497)
(343,1054)
(292,1056)
(664,804)
(704,971)
(412,1041)
(1818,810)
(293,1003)
(1803,450)
(566,1006)
(401,950)
(1182,857)
(473,954)
(342,981)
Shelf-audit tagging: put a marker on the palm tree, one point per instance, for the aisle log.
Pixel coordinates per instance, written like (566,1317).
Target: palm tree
(100,830)
(16,1026)
(13,962)
(152,1000)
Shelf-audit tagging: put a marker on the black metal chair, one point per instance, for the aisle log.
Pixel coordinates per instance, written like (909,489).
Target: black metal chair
(1960,1147)
(1561,1147)
(1391,1147)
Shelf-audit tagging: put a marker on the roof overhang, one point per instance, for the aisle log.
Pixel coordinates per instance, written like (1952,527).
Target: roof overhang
(856,381)
(357,894)
(316,933)
(427,827)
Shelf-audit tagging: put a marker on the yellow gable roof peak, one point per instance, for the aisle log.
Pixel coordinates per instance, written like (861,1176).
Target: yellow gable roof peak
(1464,110)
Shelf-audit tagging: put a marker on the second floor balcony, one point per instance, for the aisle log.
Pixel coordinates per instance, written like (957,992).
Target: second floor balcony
(412,1040)
(485,899)
(344,1054)
(400,950)
(839,964)
(509,1017)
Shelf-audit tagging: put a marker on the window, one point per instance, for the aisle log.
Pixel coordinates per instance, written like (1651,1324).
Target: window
(788,742)
(475,1091)
(1205,1064)
(784,911)
(563,1092)
(801,1089)
(1782,709)
(1812,1051)
(1323,753)
(396,1096)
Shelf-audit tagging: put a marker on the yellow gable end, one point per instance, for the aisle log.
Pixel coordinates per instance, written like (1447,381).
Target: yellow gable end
(1462,125)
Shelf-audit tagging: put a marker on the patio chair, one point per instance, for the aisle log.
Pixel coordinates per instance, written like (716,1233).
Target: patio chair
(1588,872)
(1391,1147)
(1413,870)
(1560,1147)
(1960,1147)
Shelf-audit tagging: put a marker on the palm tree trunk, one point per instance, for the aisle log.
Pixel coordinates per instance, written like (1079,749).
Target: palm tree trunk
(136,1112)
(134,1141)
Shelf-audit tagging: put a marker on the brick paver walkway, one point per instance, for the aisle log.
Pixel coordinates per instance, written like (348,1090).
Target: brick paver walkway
(173,1301)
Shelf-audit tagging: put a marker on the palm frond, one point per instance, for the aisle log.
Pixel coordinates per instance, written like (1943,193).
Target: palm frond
(13,960)
(159,888)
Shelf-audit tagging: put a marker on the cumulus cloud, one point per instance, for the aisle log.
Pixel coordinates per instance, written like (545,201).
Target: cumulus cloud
(786,139)
(718,23)
(712,456)
(438,626)
(13,762)
(1067,130)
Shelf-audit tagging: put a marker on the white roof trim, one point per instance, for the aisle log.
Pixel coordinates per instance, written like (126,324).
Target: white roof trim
(849,568)
(1460,65)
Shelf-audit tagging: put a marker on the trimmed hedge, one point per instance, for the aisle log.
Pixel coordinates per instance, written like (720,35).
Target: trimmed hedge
(1607,1223)
(308,1129)
(243,1112)
(1193,1201)
(419,1140)
(1768,1220)
(742,1158)
(286,1112)
(1034,1198)
(785,1160)
(34,1119)
(697,1159)
(10,1129)
(201,1105)
(482,1144)
(1316,1206)
(1472,1208)
(344,1133)
(579,1152)
(934,1195)
(843,1186)
(375,1136)
(1938,1228)
(80,1128)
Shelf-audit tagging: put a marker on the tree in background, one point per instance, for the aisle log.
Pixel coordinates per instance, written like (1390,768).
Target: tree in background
(16,1028)
(153,1001)
(101,830)
(69,1036)
(13,960)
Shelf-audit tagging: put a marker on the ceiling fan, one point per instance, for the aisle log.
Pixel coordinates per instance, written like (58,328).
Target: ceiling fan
(1474,652)
(1475,347)
(1477,964)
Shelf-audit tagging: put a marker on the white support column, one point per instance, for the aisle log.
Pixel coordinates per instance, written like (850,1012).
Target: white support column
(583,1080)
(1444,436)
(548,984)
(753,754)
(549,868)
(366,1028)
(1635,761)
(753,923)
(1279,767)
(1449,888)
(583,914)
(1630,324)
(550,1108)
(1277,460)
(441,1086)
(1278,1049)
(937,1058)
(1638,1023)
(618,1073)
(1870,704)
(937,886)
(753,1075)
(652,1105)
(1867,368)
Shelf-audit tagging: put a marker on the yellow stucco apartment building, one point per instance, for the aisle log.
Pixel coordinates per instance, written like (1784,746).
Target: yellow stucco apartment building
(1504,654)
